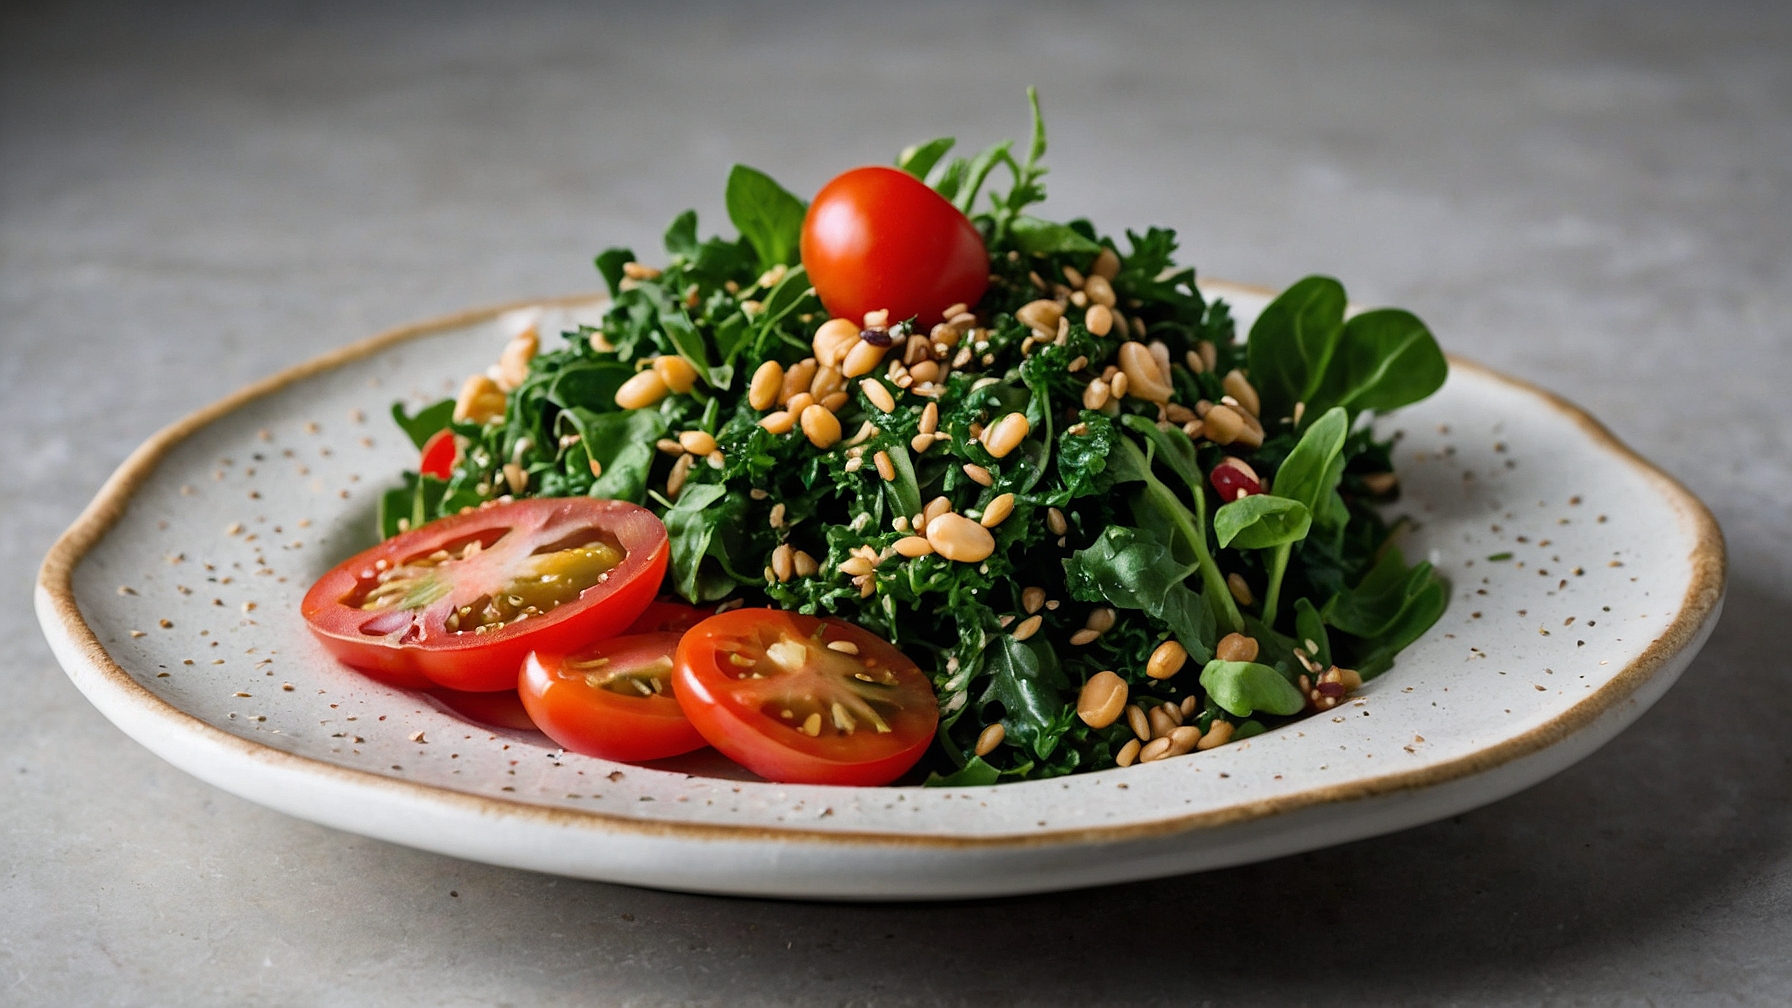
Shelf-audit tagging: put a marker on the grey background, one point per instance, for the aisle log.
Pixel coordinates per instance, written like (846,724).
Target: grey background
(1592,198)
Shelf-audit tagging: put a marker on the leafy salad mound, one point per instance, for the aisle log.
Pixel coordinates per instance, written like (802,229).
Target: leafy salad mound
(1174,483)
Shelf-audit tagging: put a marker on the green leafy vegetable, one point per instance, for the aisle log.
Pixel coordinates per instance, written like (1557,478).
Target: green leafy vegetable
(1246,688)
(767,216)
(1261,521)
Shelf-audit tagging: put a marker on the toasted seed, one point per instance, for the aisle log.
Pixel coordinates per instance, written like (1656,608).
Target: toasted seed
(925,372)
(783,562)
(1239,388)
(1028,627)
(921,442)
(914,546)
(1084,636)
(1210,354)
(1138,722)
(989,738)
(1194,362)
(935,507)
(857,566)
(670,446)
(959,538)
(1194,429)
(762,394)
(1184,739)
(513,363)
(480,400)
(779,422)
(681,470)
(833,340)
(716,459)
(676,372)
(1223,425)
(879,395)
(1032,599)
(1240,590)
(979,474)
(1380,483)
(1095,394)
(516,478)
(636,271)
(1099,319)
(1218,734)
(863,358)
(820,426)
(641,391)
(885,467)
(776,519)
(797,379)
(1236,647)
(930,418)
(1160,721)
(1128,754)
(800,402)
(1002,437)
(1178,414)
(1054,520)
(1189,706)
(1167,660)
(1143,379)
(1118,385)
(697,442)
(998,510)
(1107,264)
(1042,314)
(1101,700)
(834,400)
(1100,291)
(596,467)
(1100,619)
(826,382)
(1154,750)
(804,565)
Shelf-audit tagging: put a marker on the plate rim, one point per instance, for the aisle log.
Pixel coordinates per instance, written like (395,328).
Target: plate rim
(59,614)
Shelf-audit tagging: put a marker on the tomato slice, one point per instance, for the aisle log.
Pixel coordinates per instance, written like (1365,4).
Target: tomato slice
(613,699)
(804,700)
(665,616)
(460,601)
(439,453)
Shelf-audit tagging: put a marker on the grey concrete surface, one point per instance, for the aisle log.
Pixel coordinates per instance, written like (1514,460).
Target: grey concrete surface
(1595,198)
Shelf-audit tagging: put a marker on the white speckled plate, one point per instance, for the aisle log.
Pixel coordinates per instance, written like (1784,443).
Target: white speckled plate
(173,604)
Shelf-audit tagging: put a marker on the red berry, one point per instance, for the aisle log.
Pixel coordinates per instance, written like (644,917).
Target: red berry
(1234,479)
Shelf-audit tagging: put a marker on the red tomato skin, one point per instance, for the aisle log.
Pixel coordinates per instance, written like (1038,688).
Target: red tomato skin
(879,238)
(489,662)
(439,455)
(597,722)
(736,735)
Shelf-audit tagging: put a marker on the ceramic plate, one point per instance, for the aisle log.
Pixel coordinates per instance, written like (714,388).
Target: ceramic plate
(1583,581)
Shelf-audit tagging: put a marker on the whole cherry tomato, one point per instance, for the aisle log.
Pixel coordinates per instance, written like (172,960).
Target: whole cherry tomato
(879,238)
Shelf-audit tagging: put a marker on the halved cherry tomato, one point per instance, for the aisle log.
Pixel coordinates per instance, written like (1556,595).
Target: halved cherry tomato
(503,709)
(879,238)
(662,616)
(460,601)
(439,453)
(804,700)
(612,699)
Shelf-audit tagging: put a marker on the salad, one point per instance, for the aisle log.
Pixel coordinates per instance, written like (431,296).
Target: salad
(906,482)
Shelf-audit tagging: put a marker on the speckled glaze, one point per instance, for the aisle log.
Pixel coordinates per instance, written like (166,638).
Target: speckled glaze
(173,605)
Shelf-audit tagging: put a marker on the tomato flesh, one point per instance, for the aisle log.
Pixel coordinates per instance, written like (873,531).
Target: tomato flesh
(439,455)
(804,700)
(460,601)
(612,700)
(879,238)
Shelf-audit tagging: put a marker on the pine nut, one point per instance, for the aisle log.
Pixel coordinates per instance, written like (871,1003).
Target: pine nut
(1118,385)
(1102,699)
(959,538)
(1167,660)
(997,511)
(1143,379)
(914,546)
(1194,429)
(1099,320)
(1194,362)
(1106,265)
(1032,599)
(1189,707)
(1154,750)
(1138,722)
(1240,590)
(779,422)
(1184,739)
(480,400)
(979,474)
(797,379)
(1160,353)
(1100,620)
(642,391)
(921,442)
(935,507)
(862,359)
(716,459)
(516,478)
(804,564)
(925,371)
(1028,627)
(1095,395)
(1218,734)
(762,394)
(885,467)
(776,518)
(1161,725)
(1210,354)
(1128,754)
(1006,434)
(827,381)
(1223,425)
(676,372)
(1042,314)
(879,396)
(857,567)
(513,363)
(636,271)
(834,401)
(877,319)
(697,442)
(669,447)
(800,402)
(1235,647)
(821,427)
(832,341)
(681,470)
(1084,636)
(783,562)
(989,738)
(1380,484)
(930,418)
(1099,290)
(1239,388)
(1054,520)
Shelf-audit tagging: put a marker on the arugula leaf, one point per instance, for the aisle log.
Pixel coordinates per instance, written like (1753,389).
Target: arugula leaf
(766,215)
(1261,521)
(429,420)
(696,525)
(1292,343)
(977,171)
(947,178)
(920,159)
(1244,688)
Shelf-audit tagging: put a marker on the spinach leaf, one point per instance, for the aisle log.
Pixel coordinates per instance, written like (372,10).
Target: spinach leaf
(975,773)
(1416,616)
(1370,609)
(1292,343)
(704,513)
(681,236)
(1037,237)
(1311,472)
(767,216)
(621,443)
(1025,679)
(1128,567)
(411,505)
(977,171)
(430,419)
(1244,688)
(609,266)
(920,159)
(1310,628)
(1388,360)
(1261,521)
(592,385)
(1175,449)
